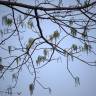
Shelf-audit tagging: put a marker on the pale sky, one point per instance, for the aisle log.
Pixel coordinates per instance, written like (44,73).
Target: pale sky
(55,74)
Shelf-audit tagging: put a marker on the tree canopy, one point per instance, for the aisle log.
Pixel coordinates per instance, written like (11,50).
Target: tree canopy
(27,37)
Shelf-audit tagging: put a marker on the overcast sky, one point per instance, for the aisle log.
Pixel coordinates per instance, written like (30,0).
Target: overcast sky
(55,74)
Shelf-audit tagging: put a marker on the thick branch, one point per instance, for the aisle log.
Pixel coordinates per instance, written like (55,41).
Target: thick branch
(43,8)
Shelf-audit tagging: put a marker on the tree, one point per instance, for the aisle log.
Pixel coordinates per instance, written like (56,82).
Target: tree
(75,22)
